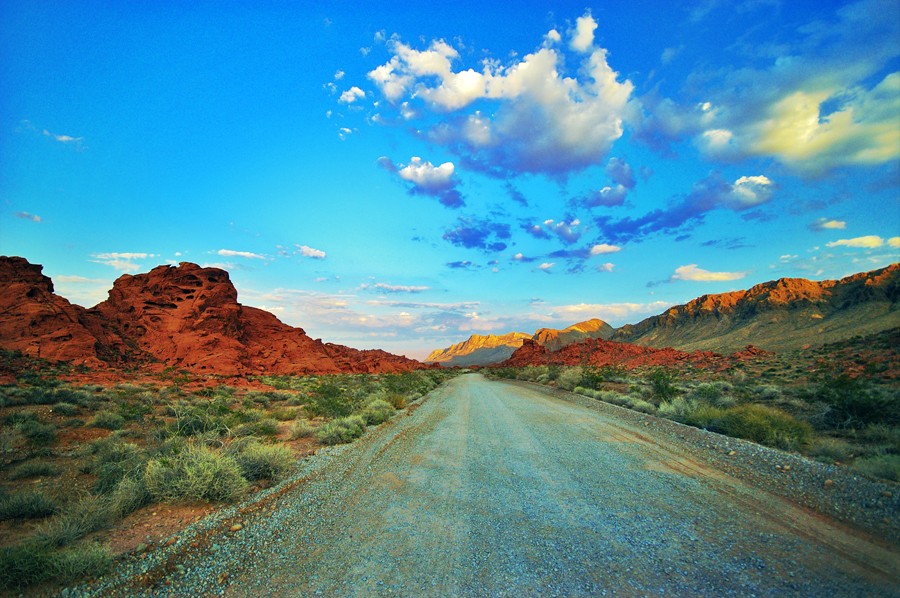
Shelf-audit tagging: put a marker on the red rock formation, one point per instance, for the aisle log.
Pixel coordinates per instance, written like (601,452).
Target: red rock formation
(599,352)
(187,317)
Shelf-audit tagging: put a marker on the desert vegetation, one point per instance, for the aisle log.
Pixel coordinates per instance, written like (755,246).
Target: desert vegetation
(838,403)
(76,459)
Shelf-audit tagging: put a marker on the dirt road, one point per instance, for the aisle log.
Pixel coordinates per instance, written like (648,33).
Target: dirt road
(495,489)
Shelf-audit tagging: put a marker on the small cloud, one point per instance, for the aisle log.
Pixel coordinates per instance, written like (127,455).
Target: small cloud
(121,261)
(310,252)
(604,248)
(621,173)
(64,138)
(521,258)
(826,224)
(389,288)
(669,54)
(607,196)
(457,265)
(427,179)
(27,216)
(868,242)
(546,266)
(246,254)
(343,133)
(894,242)
(474,233)
(607,267)
(351,95)
(692,272)
(339,75)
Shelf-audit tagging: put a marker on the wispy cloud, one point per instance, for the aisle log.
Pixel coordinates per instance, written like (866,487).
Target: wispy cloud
(692,272)
(477,233)
(310,252)
(27,216)
(822,224)
(867,242)
(246,254)
(121,261)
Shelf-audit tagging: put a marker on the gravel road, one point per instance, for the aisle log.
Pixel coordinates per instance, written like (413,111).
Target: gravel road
(502,489)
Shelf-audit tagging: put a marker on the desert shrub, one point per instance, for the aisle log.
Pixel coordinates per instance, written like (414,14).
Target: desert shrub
(853,402)
(327,400)
(376,412)
(33,504)
(72,422)
(294,401)
(108,421)
(663,383)
(342,430)
(766,426)
(36,433)
(284,415)
(33,469)
(195,473)
(880,466)
(76,520)
(75,563)
(579,390)
(262,427)
(569,378)
(698,414)
(592,377)
(19,417)
(882,433)
(302,429)
(641,405)
(768,392)
(396,400)
(829,450)
(705,392)
(25,565)
(193,421)
(505,373)
(115,459)
(128,496)
(611,396)
(66,409)
(259,461)
(553,371)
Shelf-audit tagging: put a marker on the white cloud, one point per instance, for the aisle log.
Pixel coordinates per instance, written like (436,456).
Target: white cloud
(546,266)
(351,95)
(246,254)
(893,242)
(121,261)
(612,313)
(389,288)
(80,280)
(428,176)
(310,252)
(339,74)
(607,267)
(64,138)
(545,123)
(868,242)
(583,34)
(748,192)
(692,272)
(604,248)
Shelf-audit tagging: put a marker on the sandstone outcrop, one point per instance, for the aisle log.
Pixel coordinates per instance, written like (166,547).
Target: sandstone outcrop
(186,316)
(553,340)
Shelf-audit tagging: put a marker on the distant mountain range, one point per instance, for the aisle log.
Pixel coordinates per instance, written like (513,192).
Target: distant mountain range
(780,315)
(489,349)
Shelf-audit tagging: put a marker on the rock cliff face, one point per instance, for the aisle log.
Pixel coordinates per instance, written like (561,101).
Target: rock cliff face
(490,349)
(185,316)
(553,340)
(780,315)
(478,350)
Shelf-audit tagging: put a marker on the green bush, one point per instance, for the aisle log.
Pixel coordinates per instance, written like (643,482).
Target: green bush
(396,400)
(663,383)
(33,469)
(569,378)
(30,563)
(853,402)
(19,417)
(115,460)
(27,505)
(592,377)
(829,450)
(261,427)
(327,400)
(108,421)
(195,473)
(341,430)
(880,466)
(377,412)
(258,461)
(766,426)
(66,409)
(70,565)
(36,433)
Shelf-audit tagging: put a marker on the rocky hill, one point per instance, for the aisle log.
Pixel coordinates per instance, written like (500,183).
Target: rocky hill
(184,316)
(553,340)
(780,315)
(490,349)
(478,350)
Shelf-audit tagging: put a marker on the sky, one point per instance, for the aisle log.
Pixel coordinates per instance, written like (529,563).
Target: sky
(401,175)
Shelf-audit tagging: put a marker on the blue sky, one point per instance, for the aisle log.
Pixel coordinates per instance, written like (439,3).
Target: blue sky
(401,176)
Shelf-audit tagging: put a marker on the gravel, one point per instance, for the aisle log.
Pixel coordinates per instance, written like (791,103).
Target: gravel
(508,489)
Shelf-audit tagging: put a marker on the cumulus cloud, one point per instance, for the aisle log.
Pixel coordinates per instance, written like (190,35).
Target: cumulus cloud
(428,179)
(607,267)
(546,266)
(713,192)
(867,242)
(475,233)
(813,108)
(246,254)
(583,34)
(351,95)
(545,122)
(568,232)
(27,216)
(821,224)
